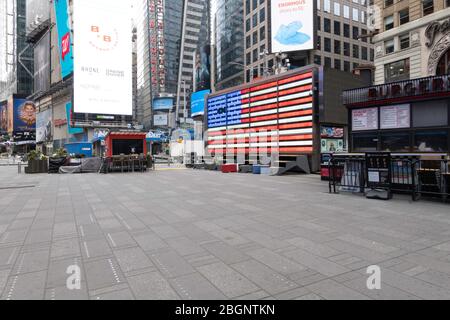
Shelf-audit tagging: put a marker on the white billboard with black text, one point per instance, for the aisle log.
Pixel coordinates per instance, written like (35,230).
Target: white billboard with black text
(292,25)
(102,57)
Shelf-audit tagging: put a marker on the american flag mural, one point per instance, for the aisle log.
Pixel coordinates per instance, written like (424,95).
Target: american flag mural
(276,116)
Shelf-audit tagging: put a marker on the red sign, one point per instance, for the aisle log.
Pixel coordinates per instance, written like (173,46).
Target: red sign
(65,45)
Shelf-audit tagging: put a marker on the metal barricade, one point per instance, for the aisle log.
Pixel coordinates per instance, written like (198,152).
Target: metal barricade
(347,173)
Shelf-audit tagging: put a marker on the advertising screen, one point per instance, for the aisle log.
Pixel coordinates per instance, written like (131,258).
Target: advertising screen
(395,117)
(273,116)
(44,126)
(103,57)
(202,68)
(198,103)
(3,117)
(160,119)
(42,64)
(24,115)
(64,37)
(70,129)
(292,25)
(162,104)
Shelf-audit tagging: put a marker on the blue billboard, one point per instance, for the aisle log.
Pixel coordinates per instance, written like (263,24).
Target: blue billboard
(70,129)
(162,103)
(24,115)
(198,102)
(64,37)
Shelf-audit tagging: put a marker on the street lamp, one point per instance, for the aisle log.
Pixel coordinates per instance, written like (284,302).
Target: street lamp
(264,54)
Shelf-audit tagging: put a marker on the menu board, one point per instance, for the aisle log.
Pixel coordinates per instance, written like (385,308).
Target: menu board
(365,119)
(397,116)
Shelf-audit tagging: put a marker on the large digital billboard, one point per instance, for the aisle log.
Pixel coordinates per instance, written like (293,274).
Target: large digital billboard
(273,116)
(103,57)
(198,102)
(44,126)
(21,115)
(42,64)
(64,37)
(162,104)
(292,25)
(4,117)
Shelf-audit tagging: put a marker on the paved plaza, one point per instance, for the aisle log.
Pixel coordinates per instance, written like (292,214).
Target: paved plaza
(187,234)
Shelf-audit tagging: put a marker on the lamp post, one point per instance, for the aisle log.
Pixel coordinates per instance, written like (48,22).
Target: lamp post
(241,65)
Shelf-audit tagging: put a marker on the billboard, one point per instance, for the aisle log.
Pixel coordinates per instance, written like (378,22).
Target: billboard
(103,51)
(162,104)
(64,37)
(4,117)
(160,119)
(292,25)
(198,102)
(42,64)
(21,115)
(38,12)
(395,117)
(365,119)
(44,126)
(70,129)
(202,67)
(273,116)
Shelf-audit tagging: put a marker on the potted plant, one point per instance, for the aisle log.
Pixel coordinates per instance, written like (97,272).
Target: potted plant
(37,162)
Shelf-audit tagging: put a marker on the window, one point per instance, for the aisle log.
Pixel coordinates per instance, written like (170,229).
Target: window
(355,33)
(262,33)
(255,4)
(248,58)
(388,22)
(326,25)
(363,17)
(337,9)
(404,41)
(444,64)
(319,43)
(346,12)
(319,22)
(347,66)
(328,62)
(318,4)
(247,7)
(247,25)
(355,51)
(389,46)
(347,49)
(255,20)
(317,59)
(426,114)
(365,142)
(346,30)
(337,28)
(337,47)
(398,70)
(395,142)
(364,54)
(388,3)
(355,14)
(363,32)
(327,44)
(403,16)
(248,42)
(337,64)
(326,6)
(255,37)
(427,7)
(431,141)
(255,55)
(262,15)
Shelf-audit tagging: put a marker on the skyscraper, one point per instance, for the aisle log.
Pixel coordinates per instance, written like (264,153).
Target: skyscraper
(229,43)
(169,33)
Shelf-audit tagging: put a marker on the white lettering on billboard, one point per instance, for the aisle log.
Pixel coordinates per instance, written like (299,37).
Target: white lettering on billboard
(393,117)
(365,119)
(102,57)
(292,25)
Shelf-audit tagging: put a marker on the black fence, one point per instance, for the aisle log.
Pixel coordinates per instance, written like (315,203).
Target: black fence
(414,175)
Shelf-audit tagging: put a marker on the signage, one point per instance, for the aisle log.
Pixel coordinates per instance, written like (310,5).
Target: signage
(23,115)
(4,117)
(162,104)
(393,117)
(70,128)
(42,64)
(64,37)
(157,44)
(332,145)
(271,116)
(292,25)
(331,132)
(103,57)
(378,166)
(365,119)
(160,119)
(198,102)
(428,86)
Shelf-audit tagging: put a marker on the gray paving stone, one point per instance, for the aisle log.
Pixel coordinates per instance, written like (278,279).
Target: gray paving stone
(62,293)
(171,264)
(258,295)
(316,263)
(151,286)
(276,261)
(28,286)
(149,242)
(103,273)
(132,259)
(8,255)
(225,252)
(31,261)
(332,290)
(65,248)
(3,279)
(312,247)
(230,282)
(95,248)
(124,294)
(120,239)
(184,246)
(196,287)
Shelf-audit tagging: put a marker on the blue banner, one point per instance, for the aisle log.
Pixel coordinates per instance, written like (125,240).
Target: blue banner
(162,103)
(198,102)
(64,37)
(71,129)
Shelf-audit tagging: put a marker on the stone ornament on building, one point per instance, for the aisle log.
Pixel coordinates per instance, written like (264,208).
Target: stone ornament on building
(415,39)
(436,53)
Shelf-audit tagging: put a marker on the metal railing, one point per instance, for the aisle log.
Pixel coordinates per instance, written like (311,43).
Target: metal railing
(409,175)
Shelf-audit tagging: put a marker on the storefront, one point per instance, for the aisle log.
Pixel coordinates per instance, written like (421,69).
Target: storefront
(126,143)
(410,116)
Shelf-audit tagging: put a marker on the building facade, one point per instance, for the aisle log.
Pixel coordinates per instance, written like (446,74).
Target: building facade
(413,39)
(229,44)
(340,43)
